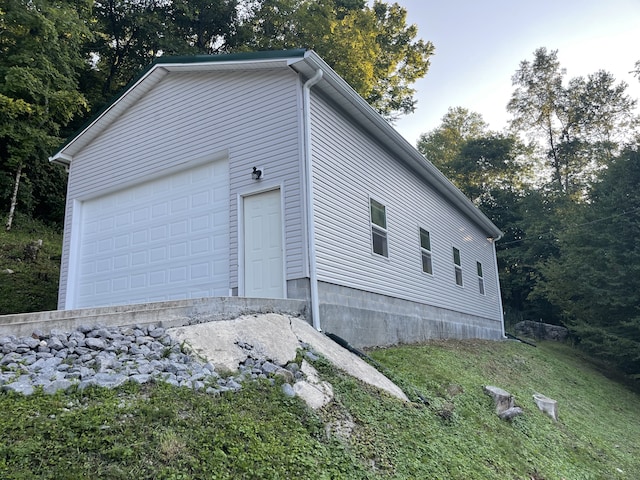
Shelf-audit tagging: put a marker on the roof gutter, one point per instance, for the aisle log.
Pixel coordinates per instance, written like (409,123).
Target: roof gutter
(308,164)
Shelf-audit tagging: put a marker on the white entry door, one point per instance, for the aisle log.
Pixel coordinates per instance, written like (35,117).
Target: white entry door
(263,252)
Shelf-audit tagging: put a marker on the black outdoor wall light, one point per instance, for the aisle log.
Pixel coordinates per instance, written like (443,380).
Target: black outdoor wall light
(256,174)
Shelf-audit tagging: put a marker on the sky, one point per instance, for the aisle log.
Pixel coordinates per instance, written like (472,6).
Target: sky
(480,44)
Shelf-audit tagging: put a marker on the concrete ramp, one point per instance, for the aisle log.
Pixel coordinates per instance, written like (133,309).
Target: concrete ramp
(165,314)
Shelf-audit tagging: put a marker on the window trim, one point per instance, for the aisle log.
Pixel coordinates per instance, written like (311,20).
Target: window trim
(457,266)
(375,229)
(425,251)
(481,286)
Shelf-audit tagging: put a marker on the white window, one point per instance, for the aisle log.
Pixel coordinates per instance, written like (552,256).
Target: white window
(378,228)
(457,264)
(425,249)
(480,278)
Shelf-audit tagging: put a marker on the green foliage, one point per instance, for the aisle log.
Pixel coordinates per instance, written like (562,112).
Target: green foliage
(458,435)
(579,126)
(204,27)
(443,144)
(596,279)
(39,60)
(371,47)
(132,34)
(475,159)
(531,221)
(33,285)
(159,431)
(166,432)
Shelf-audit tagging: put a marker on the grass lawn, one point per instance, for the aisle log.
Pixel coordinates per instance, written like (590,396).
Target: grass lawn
(159,431)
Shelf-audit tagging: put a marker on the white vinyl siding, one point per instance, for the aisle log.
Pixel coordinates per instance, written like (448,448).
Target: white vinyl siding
(189,118)
(351,167)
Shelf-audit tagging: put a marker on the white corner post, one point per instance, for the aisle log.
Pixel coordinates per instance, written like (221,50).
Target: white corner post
(308,164)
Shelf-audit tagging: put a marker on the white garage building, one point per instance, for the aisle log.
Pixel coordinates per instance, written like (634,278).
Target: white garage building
(265,175)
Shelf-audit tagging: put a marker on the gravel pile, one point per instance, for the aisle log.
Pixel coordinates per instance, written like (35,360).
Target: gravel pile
(109,357)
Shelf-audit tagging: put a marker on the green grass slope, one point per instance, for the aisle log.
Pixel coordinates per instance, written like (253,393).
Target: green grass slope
(162,432)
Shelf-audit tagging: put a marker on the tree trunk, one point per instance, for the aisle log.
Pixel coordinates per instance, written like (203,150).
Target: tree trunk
(555,161)
(14,198)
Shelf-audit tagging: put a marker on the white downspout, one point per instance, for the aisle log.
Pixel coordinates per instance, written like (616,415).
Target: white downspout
(495,262)
(311,236)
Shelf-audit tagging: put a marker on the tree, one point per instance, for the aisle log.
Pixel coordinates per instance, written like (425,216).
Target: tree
(596,279)
(203,26)
(475,159)
(579,127)
(39,61)
(371,47)
(130,35)
(444,143)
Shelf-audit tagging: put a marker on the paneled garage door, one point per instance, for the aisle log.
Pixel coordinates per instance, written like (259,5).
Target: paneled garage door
(165,239)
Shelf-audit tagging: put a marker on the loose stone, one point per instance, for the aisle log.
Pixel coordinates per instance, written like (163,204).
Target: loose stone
(95,343)
(288,390)
(109,357)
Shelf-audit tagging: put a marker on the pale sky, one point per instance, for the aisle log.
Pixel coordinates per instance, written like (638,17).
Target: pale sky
(480,44)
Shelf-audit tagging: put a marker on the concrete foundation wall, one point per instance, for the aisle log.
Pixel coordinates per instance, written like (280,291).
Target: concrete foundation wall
(367,319)
(164,314)
(362,318)
(299,289)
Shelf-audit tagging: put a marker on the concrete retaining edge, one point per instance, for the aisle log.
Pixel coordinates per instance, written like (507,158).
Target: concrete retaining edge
(165,314)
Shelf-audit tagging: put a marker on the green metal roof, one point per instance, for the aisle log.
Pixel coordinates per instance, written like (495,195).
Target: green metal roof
(230,57)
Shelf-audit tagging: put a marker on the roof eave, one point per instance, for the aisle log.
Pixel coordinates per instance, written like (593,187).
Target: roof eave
(61,159)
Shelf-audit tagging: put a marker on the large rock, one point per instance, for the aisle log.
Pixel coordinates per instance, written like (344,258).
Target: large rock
(540,331)
(227,344)
(344,359)
(510,413)
(546,405)
(504,402)
(312,390)
(502,399)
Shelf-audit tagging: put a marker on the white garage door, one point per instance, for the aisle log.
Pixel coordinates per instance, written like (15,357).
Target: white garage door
(165,239)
